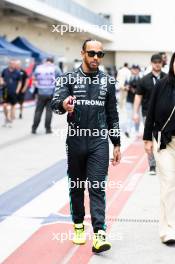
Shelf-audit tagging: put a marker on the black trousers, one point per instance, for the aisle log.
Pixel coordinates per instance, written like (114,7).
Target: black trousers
(43,102)
(88,160)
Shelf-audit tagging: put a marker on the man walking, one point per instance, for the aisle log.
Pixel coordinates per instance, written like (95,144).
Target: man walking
(88,154)
(11,82)
(45,75)
(23,88)
(143,93)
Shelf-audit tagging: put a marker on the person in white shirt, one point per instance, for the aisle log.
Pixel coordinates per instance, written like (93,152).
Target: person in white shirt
(123,76)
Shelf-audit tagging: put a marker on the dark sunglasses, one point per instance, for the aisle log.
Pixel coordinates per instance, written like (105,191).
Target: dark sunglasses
(92,53)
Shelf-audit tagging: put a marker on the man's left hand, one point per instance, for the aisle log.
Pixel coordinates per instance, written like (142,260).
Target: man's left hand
(116,156)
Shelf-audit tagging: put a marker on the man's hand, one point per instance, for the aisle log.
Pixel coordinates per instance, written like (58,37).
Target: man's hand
(1,81)
(25,86)
(148,146)
(137,103)
(126,87)
(116,156)
(136,118)
(18,87)
(66,104)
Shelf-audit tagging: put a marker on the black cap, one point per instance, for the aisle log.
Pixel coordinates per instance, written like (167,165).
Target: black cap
(50,59)
(156,57)
(135,66)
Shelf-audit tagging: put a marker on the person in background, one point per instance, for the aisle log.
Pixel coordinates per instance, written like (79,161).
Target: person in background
(123,76)
(142,97)
(165,67)
(11,81)
(45,75)
(1,86)
(131,86)
(161,116)
(23,88)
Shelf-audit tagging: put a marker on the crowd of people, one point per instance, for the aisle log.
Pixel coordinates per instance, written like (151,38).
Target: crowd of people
(154,93)
(135,88)
(133,91)
(14,82)
(147,96)
(159,138)
(88,156)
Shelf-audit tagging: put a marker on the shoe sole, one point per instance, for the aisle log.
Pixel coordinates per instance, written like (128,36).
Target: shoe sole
(79,243)
(101,249)
(152,173)
(169,242)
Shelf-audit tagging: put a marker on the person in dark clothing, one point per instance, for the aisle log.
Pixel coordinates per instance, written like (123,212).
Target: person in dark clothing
(131,86)
(23,88)
(94,109)
(143,93)
(161,116)
(11,79)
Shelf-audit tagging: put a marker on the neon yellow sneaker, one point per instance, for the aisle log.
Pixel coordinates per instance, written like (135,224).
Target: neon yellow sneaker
(79,234)
(99,242)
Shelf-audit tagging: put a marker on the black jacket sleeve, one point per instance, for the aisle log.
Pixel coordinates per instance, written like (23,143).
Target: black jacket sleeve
(62,91)
(140,87)
(150,118)
(112,116)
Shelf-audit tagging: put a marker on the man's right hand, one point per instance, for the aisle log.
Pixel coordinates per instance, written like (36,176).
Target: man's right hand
(148,147)
(136,118)
(66,104)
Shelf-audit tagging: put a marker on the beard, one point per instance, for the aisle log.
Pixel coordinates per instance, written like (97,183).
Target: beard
(92,66)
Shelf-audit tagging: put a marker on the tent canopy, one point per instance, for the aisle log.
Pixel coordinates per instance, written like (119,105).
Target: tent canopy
(7,48)
(24,44)
(3,51)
